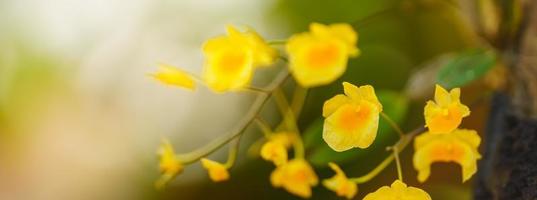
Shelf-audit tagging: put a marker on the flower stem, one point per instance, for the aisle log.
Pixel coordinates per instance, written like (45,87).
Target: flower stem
(218,143)
(360,23)
(400,145)
(276,42)
(233,151)
(254,111)
(255,89)
(374,172)
(393,124)
(264,126)
(398,163)
(299,97)
(290,121)
(255,148)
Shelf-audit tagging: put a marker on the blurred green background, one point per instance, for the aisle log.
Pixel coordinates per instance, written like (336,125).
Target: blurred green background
(80,120)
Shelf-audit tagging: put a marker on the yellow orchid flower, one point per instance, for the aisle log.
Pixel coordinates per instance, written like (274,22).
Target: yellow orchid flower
(275,149)
(217,171)
(319,57)
(459,146)
(296,176)
(445,113)
(170,75)
(169,165)
(398,191)
(340,184)
(351,119)
(231,59)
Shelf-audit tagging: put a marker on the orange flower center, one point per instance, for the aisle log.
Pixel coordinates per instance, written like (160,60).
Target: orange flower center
(343,188)
(322,55)
(447,152)
(447,121)
(354,117)
(232,62)
(276,152)
(300,176)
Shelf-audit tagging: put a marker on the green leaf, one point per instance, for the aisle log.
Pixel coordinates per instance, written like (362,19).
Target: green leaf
(394,105)
(466,67)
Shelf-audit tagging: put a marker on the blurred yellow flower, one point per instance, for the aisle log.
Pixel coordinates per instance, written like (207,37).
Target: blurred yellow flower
(231,59)
(459,146)
(217,171)
(445,113)
(340,184)
(351,119)
(398,191)
(296,176)
(169,165)
(275,149)
(320,56)
(170,75)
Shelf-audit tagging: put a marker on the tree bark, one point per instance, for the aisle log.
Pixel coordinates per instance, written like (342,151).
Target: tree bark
(508,169)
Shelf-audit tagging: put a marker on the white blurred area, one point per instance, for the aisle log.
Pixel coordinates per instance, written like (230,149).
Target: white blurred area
(99,141)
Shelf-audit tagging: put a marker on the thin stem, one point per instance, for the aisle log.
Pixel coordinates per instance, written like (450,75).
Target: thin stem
(289,120)
(256,90)
(368,19)
(374,172)
(276,42)
(398,163)
(285,110)
(393,124)
(218,143)
(299,97)
(255,109)
(264,126)
(197,79)
(233,151)
(255,148)
(400,145)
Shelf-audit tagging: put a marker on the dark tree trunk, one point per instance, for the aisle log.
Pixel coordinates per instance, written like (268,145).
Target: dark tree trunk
(508,169)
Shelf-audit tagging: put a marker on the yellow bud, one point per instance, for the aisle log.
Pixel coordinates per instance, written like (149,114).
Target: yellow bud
(217,171)
(170,75)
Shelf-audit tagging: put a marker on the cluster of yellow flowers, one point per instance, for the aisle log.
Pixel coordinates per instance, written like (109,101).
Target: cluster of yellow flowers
(316,58)
(319,57)
(444,142)
(352,121)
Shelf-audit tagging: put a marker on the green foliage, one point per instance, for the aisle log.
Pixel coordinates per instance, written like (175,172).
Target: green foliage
(466,67)
(394,105)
